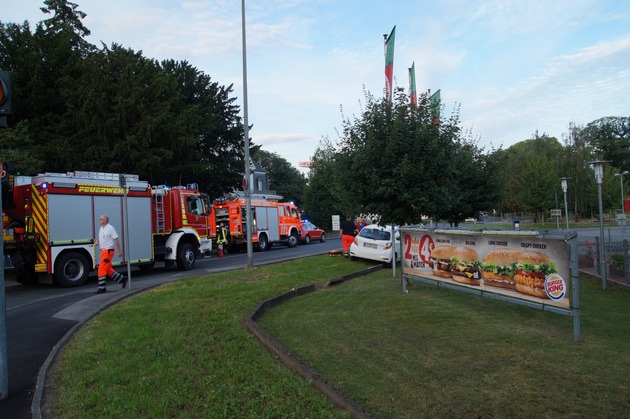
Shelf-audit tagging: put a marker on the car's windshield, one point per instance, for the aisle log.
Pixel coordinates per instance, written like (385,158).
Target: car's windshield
(374,234)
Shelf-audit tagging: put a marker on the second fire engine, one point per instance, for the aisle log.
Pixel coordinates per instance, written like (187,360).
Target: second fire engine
(273,221)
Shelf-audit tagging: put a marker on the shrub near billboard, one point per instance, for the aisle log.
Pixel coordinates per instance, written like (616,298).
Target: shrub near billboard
(518,265)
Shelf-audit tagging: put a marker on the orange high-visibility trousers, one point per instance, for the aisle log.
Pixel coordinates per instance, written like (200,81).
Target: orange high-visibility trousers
(346,241)
(105,265)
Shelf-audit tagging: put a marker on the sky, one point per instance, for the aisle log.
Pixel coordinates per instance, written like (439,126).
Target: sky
(512,68)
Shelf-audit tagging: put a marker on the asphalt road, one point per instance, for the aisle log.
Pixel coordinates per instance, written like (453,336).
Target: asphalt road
(39,317)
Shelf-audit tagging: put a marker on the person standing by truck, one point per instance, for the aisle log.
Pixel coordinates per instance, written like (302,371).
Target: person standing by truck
(107,240)
(221,239)
(347,233)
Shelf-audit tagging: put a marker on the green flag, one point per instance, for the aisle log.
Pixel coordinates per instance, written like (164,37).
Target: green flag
(412,85)
(435,107)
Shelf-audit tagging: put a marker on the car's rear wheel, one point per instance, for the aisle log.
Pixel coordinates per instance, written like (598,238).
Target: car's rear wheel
(322,238)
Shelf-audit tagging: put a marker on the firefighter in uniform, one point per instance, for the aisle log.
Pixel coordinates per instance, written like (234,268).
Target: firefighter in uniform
(107,240)
(221,239)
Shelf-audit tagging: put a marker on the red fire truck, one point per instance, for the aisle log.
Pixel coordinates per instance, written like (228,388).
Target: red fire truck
(50,222)
(273,221)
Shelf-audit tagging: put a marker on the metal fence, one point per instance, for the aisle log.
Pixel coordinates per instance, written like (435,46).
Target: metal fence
(616,257)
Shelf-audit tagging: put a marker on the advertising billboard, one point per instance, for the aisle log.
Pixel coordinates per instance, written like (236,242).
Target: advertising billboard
(521,265)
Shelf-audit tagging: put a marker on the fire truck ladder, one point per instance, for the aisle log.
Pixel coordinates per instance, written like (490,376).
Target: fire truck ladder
(264,196)
(158,195)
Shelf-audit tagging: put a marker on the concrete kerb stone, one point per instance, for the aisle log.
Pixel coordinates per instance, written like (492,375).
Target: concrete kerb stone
(292,361)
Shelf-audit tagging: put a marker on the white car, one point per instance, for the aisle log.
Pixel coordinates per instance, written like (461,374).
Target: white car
(374,242)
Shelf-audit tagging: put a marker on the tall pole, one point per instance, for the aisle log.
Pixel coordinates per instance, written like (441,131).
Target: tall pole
(623,212)
(602,255)
(247,183)
(565,188)
(123,184)
(598,168)
(4,365)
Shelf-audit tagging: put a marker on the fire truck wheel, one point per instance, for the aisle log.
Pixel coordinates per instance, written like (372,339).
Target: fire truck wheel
(263,243)
(71,269)
(186,257)
(293,240)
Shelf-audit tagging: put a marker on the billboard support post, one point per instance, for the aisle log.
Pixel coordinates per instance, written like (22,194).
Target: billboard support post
(575,291)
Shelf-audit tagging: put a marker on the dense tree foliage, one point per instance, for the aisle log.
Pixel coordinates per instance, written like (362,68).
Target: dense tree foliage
(110,109)
(610,139)
(320,201)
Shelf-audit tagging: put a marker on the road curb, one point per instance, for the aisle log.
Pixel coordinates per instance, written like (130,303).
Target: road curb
(292,361)
(40,387)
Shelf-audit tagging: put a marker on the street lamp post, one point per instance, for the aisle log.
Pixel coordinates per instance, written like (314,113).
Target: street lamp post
(247,181)
(565,187)
(623,212)
(598,168)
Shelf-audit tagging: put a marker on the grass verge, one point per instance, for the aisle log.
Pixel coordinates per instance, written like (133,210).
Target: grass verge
(181,350)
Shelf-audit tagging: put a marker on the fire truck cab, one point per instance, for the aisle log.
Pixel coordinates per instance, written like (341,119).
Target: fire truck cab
(273,221)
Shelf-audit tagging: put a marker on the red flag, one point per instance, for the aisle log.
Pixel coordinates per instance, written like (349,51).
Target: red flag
(389,64)
(412,85)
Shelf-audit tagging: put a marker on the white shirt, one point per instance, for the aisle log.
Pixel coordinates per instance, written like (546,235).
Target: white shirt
(106,236)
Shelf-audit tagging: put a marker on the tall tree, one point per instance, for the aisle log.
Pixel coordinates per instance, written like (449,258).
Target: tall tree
(610,137)
(393,161)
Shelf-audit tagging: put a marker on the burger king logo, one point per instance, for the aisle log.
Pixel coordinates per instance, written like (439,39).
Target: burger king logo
(555,287)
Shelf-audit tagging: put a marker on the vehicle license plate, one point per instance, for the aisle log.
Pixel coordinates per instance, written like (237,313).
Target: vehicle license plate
(370,245)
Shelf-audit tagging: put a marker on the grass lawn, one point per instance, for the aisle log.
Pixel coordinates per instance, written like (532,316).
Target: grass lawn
(181,350)
(442,353)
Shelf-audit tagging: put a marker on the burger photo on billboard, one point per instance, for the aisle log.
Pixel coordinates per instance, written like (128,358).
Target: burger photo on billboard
(499,268)
(465,266)
(532,270)
(441,260)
